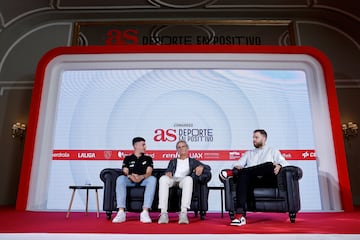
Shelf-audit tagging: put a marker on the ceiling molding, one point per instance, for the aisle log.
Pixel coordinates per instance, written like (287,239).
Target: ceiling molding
(10,13)
(347,83)
(15,85)
(23,36)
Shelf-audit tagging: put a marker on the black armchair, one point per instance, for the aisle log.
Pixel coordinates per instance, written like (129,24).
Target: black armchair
(135,195)
(284,196)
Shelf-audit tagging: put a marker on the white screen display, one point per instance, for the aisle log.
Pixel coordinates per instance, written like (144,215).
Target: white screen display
(98,112)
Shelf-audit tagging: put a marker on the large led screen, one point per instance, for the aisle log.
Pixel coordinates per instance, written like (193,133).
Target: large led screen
(94,105)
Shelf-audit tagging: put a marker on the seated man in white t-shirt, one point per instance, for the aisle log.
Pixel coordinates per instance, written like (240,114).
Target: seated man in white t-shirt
(178,173)
(262,161)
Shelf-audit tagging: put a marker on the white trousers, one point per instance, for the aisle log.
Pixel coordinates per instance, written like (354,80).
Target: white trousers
(185,183)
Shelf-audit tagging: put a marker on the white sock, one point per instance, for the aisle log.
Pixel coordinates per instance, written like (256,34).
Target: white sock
(184,210)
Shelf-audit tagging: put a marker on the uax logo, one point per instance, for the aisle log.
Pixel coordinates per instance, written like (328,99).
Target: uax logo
(165,135)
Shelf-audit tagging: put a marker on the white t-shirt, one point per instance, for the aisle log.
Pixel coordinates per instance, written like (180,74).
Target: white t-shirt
(182,168)
(261,155)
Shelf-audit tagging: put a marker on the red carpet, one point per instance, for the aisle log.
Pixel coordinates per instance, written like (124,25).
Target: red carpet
(12,221)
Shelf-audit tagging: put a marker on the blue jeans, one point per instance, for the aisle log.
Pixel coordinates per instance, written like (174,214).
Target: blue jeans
(122,182)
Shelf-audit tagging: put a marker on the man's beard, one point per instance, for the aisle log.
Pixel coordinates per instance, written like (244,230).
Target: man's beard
(258,145)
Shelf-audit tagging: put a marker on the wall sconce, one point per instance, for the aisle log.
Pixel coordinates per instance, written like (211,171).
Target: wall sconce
(350,129)
(18,130)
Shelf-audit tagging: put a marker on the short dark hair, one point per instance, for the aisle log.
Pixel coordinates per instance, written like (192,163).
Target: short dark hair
(261,131)
(137,139)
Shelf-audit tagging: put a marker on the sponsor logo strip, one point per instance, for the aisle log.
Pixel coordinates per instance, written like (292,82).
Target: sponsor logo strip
(162,155)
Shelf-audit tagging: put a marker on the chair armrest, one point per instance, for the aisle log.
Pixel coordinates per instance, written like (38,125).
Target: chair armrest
(205,177)
(158,172)
(110,174)
(224,174)
(288,184)
(229,192)
(287,175)
(293,172)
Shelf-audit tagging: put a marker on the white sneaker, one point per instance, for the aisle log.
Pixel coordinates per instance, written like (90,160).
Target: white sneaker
(183,219)
(144,217)
(120,217)
(238,221)
(163,219)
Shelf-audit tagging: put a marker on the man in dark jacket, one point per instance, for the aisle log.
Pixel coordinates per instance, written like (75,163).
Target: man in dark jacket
(179,173)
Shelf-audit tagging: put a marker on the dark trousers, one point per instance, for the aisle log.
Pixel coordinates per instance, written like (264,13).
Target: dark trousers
(249,178)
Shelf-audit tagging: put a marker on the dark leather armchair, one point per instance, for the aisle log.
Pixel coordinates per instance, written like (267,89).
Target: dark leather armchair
(283,196)
(135,195)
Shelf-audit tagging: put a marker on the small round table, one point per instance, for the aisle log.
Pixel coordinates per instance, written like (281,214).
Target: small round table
(87,188)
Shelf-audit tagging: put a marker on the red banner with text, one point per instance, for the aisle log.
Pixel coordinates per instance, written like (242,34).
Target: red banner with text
(160,155)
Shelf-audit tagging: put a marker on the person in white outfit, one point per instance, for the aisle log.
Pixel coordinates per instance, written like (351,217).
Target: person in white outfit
(179,173)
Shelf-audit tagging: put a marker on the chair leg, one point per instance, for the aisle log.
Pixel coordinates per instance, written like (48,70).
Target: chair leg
(87,201)
(202,215)
(108,215)
(97,203)
(292,217)
(196,213)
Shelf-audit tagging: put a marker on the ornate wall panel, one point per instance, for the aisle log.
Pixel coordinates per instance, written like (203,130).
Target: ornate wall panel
(179,4)
(223,32)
